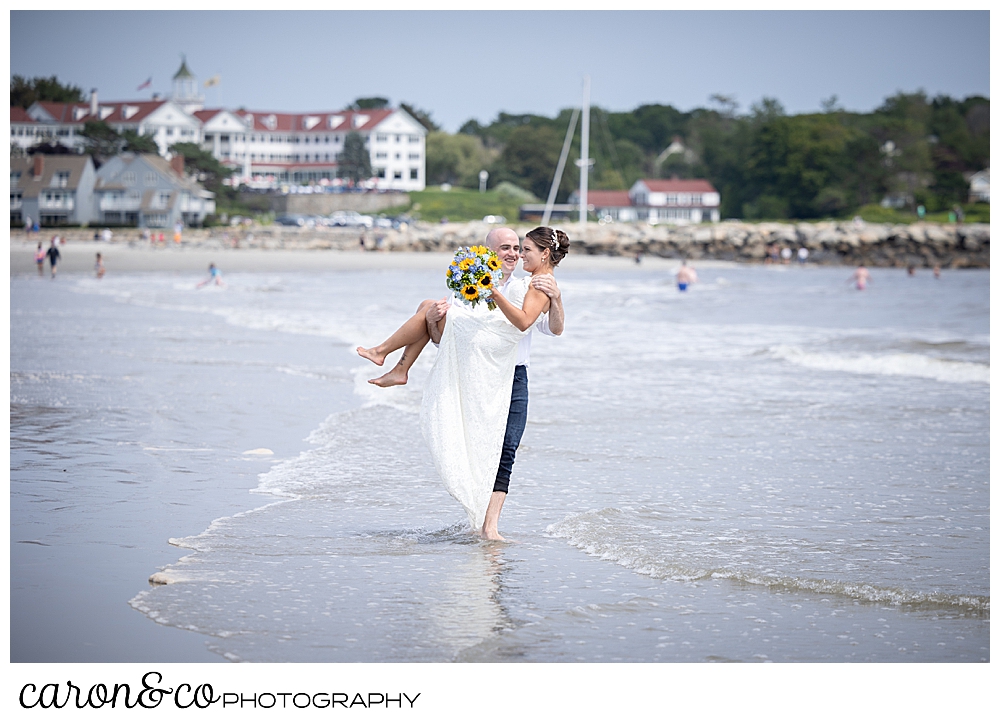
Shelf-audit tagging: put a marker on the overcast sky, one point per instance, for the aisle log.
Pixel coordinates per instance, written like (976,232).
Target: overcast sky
(462,65)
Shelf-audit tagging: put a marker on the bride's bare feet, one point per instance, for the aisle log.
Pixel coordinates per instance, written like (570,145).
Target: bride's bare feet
(373,356)
(395,377)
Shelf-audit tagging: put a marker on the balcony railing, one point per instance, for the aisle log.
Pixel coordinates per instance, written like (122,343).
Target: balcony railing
(65,204)
(119,204)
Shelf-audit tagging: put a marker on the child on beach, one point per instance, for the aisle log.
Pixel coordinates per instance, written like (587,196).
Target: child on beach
(40,259)
(99,267)
(542,250)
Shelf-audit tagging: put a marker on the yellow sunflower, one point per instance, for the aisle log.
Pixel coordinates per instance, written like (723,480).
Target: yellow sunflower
(485,281)
(449,273)
(464,264)
(493,262)
(470,292)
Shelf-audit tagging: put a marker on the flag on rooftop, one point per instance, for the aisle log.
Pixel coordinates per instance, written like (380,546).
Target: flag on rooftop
(146,84)
(214,80)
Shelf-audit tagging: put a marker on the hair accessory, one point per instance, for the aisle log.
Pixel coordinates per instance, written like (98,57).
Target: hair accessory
(555,237)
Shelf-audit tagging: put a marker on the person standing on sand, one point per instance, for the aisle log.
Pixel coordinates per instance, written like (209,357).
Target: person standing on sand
(99,267)
(861,277)
(53,254)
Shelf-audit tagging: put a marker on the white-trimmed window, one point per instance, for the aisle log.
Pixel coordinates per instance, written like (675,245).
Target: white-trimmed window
(60,179)
(397,175)
(414,174)
(381,138)
(414,139)
(128,177)
(150,178)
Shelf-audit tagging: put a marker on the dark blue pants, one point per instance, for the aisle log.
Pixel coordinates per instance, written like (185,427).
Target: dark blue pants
(516,419)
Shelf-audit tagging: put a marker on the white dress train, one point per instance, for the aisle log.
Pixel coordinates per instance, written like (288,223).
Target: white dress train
(466,400)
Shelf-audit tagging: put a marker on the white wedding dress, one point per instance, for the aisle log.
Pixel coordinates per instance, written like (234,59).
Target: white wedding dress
(466,400)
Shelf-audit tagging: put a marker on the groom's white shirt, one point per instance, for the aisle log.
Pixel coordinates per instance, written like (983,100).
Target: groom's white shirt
(515,288)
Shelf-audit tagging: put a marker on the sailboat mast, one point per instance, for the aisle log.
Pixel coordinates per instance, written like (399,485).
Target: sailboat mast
(584,154)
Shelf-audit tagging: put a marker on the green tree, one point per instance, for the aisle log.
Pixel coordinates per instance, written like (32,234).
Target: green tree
(135,143)
(373,103)
(421,116)
(203,166)
(456,159)
(529,161)
(24,92)
(103,141)
(355,161)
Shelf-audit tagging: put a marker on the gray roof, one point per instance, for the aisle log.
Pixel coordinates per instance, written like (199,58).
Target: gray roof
(30,186)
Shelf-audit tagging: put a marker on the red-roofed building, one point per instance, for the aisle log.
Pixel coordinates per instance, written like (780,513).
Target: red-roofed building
(656,201)
(269,149)
(164,120)
(273,149)
(675,200)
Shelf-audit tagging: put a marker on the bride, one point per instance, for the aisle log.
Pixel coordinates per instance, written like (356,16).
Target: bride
(467,393)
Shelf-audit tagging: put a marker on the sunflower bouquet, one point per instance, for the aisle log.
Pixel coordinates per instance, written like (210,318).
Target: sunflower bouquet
(473,273)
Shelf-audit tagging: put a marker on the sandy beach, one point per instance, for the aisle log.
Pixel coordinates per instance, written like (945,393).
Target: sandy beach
(78,257)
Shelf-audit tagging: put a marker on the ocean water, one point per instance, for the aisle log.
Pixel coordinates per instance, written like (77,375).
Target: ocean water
(771,466)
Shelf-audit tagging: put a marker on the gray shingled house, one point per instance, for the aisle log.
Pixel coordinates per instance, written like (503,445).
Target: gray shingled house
(145,190)
(54,190)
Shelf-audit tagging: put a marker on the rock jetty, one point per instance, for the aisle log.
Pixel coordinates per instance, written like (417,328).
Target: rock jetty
(919,244)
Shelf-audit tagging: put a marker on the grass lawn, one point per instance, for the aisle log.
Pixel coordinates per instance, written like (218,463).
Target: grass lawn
(462,204)
(974,213)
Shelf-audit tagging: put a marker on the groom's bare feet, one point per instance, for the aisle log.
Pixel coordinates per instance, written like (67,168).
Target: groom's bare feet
(373,356)
(395,377)
(492,534)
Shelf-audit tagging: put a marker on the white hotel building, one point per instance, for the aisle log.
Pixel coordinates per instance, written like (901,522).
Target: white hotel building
(302,148)
(269,149)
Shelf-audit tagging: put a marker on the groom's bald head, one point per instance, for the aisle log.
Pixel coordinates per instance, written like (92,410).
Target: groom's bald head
(505,243)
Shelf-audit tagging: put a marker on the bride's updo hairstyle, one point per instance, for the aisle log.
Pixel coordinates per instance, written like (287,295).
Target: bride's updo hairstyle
(556,241)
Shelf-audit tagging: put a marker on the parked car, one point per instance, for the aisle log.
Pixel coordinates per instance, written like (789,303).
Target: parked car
(350,218)
(290,220)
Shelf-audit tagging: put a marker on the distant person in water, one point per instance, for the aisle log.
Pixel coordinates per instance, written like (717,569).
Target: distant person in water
(861,277)
(911,270)
(214,276)
(686,276)
(937,271)
(99,267)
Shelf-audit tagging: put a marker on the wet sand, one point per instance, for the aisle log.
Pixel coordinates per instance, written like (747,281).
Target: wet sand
(79,256)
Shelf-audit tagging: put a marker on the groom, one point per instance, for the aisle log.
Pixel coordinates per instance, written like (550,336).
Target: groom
(507,246)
